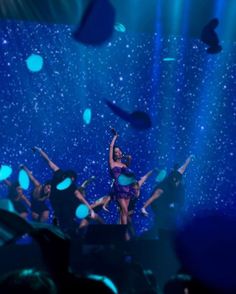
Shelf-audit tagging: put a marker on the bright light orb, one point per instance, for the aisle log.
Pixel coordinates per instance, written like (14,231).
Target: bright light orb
(168,59)
(23,179)
(5,172)
(119,27)
(34,63)
(65,184)
(87,116)
(82,211)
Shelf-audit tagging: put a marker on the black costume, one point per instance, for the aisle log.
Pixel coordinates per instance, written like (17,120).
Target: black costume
(64,202)
(168,205)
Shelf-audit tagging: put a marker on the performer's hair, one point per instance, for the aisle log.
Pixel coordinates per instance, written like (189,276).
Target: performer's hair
(71,174)
(113,154)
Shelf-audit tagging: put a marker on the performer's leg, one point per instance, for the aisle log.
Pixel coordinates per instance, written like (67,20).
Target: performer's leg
(44,217)
(124,203)
(35,216)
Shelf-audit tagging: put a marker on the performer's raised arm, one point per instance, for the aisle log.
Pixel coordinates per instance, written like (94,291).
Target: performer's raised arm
(8,183)
(144,178)
(186,163)
(87,182)
(26,200)
(111,149)
(30,175)
(51,164)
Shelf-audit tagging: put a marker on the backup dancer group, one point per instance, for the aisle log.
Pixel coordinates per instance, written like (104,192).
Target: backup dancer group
(166,197)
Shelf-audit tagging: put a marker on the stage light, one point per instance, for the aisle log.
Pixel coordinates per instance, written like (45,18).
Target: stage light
(34,62)
(169,59)
(5,172)
(65,184)
(23,179)
(87,116)
(119,27)
(82,211)
(106,281)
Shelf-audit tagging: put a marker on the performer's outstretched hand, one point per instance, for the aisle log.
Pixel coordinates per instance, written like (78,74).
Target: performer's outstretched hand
(35,148)
(144,211)
(92,214)
(105,208)
(114,132)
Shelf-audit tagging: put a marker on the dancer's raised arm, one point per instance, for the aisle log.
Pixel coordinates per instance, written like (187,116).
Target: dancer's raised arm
(51,164)
(144,178)
(186,163)
(30,175)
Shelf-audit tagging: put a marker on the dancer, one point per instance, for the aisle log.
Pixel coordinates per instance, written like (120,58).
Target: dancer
(168,187)
(96,218)
(20,202)
(121,193)
(64,202)
(136,189)
(101,203)
(39,200)
(167,200)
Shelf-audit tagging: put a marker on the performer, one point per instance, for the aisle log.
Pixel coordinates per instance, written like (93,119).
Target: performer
(167,198)
(40,197)
(64,202)
(121,193)
(101,203)
(136,189)
(96,218)
(20,202)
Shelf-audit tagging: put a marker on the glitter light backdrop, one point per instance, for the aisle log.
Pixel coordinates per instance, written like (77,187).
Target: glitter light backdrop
(190,98)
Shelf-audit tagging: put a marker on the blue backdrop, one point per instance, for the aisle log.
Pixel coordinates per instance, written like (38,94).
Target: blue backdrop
(191,101)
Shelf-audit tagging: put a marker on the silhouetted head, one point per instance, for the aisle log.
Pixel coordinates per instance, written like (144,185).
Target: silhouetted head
(27,281)
(136,189)
(47,187)
(71,174)
(213,23)
(117,153)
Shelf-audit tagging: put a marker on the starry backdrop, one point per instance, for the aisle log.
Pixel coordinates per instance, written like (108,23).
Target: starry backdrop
(191,102)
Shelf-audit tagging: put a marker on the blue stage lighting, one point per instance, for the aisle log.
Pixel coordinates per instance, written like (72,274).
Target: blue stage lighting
(5,172)
(65,184)
(119,27)
(82,211)
(169,59)
(87,116)
(23,179)
(34,62)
